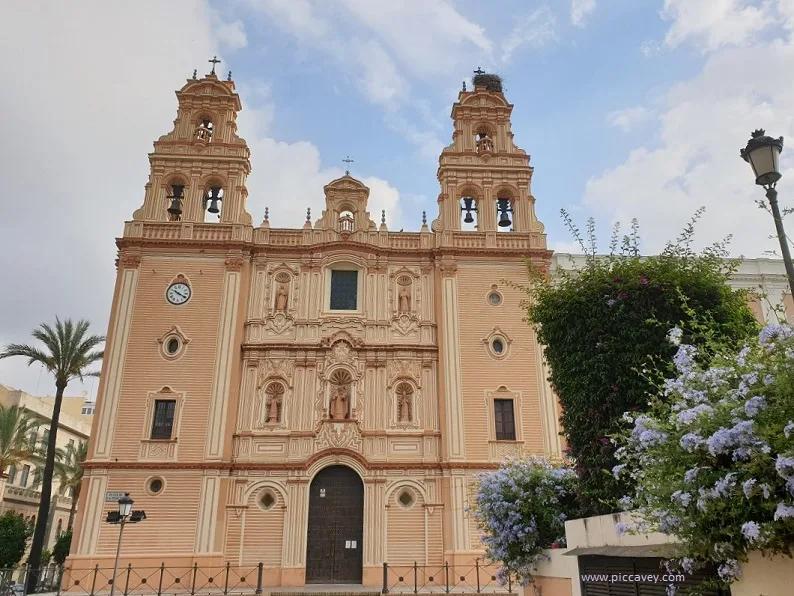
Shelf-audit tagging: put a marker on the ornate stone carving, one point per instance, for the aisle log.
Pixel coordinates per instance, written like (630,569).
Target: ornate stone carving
(275,368)
(437,225)
(129,261)
(341,352)
(338,435)
(340,336)
(234,263)
(403,369)
(448,269)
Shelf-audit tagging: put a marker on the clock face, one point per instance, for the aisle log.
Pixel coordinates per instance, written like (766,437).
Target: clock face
(178,293)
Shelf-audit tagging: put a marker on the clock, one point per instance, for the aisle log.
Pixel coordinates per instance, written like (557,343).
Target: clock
(178,293)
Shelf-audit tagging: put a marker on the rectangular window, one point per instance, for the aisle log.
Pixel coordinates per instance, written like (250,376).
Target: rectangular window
(71,444)
(163,422)
(33,438)
(46,438)
(23,482)
(344,290)
(12,474)
(505,420)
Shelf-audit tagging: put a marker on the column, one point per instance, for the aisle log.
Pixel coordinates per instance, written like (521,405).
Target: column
(224,358)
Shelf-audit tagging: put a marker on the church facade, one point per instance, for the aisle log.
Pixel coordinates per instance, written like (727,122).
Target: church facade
(316,399)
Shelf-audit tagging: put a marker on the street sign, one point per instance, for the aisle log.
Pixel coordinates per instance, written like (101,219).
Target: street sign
(113,497)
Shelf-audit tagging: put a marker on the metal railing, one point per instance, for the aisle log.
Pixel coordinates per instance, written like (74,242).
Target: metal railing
(477,577)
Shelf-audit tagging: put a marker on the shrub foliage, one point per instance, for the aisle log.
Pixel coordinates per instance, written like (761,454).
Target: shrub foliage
(604,323)
(713,459)
(14,534)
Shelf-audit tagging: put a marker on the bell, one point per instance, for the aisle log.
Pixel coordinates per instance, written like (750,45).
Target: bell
(214,198)
(468,218)
(468,207)
(176,199)
(504,208)
(175,208)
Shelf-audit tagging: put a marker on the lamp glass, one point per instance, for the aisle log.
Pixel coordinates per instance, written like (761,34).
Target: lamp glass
(766,164)
(125,505)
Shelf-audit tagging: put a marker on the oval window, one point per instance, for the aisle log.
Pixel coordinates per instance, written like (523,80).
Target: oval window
(155,485)
(494,298)
(172,346)
(498,346)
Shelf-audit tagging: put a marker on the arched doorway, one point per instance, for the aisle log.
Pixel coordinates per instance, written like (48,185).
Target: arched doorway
(334,550)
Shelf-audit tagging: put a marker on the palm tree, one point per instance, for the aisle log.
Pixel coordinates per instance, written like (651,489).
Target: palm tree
(15,447)
(69,473)
(68,352)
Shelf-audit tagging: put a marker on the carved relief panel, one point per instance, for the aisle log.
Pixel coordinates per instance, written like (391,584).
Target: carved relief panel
(273,394)
(281,290)
(404,299)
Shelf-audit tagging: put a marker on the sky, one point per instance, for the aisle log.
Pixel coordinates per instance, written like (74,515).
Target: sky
(629,110)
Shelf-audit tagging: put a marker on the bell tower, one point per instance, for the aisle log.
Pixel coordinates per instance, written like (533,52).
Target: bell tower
(485,178)
(198,170)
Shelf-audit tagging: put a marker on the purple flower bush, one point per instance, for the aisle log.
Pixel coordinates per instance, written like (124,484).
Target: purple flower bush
(713,459)
(521,510)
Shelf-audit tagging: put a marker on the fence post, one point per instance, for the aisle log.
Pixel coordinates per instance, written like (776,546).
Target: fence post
(477,566)
(226,585)
(416,573)
(385,589)
(510,583)
(446,574)
(127,579)
(93,581)
(259,578)
(160,585)
(59,571)
(193,583)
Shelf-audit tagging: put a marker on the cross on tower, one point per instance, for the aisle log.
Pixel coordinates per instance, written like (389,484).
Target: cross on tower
(214,61)
(347,161)
(479,71)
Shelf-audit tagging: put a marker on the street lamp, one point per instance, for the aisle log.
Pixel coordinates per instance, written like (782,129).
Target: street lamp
(124,515)
(763,154)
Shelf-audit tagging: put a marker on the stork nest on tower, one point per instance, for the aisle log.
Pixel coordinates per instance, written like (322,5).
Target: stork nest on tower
(491,82)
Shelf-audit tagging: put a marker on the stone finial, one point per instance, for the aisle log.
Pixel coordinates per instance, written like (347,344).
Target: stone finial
(229,78)
(424,218)
(267,213)
(464,85)
(309,214)
(383,217)
(195,72)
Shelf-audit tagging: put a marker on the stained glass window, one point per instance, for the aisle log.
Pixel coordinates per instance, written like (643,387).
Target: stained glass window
(344,290)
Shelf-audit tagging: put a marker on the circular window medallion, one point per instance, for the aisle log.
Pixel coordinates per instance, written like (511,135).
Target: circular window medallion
(154,486)
(406,499)
(172,346)
(494,298)
(267,500)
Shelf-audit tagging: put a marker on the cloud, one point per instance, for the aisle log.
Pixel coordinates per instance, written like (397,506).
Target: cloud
(628,118)
(231,35)
(535,29)
(73,160)
(650,48)
(694,160)
(715,23)
(580,10)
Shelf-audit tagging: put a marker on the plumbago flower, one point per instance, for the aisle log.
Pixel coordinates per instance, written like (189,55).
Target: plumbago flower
(521,510)
(713,459)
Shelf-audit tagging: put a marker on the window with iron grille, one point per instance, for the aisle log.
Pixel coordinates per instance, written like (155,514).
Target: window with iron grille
(163,420)
(344,290)
(505,420)
(12,474)
(23,482)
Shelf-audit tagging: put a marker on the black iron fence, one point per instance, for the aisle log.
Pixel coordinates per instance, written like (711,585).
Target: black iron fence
(229,580)
(477,577)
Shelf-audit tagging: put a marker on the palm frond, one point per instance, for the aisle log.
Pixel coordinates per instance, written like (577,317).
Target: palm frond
(31,353)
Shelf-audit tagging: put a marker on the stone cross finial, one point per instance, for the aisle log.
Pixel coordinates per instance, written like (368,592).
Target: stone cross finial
(348,161)
(214,61)
(479,71)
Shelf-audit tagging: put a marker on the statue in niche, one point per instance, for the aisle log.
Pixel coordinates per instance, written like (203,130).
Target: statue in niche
(404,403)
(275,399)
(281,298)
(339,405)
(404,299)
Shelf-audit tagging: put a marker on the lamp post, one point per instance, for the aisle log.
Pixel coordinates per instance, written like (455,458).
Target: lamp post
(763,154)
(124,515)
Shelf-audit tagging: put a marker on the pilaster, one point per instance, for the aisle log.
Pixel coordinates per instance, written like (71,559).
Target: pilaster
(375,530)
(206,521)
(89,529)
(453,395)
(296,521)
